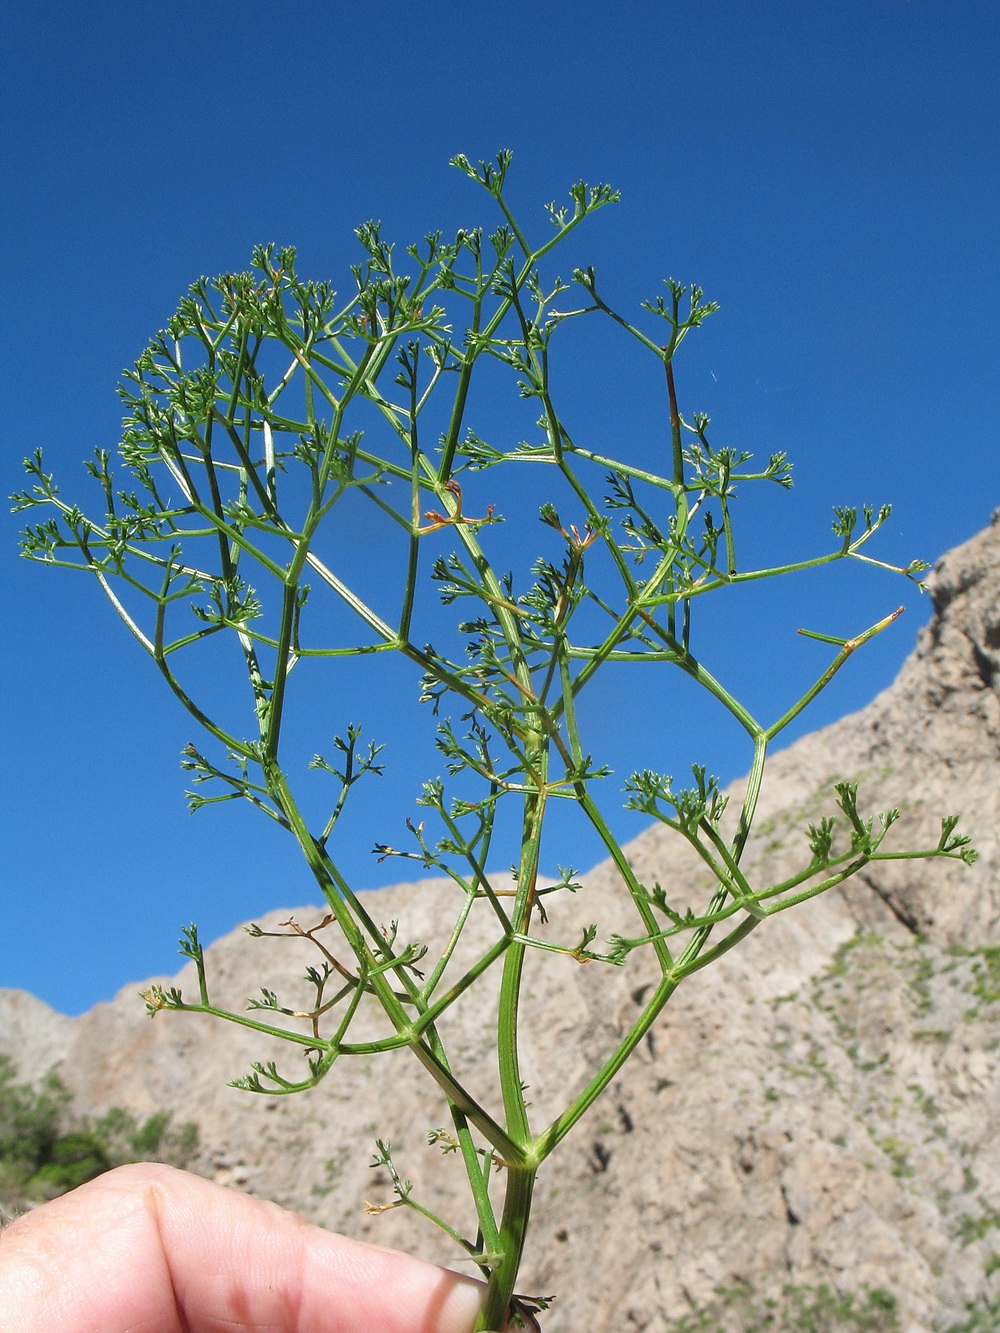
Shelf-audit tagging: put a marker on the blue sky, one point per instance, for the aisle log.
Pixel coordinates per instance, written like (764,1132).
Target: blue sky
(826,172)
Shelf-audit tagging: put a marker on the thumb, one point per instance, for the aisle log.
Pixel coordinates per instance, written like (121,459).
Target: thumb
(152,1248)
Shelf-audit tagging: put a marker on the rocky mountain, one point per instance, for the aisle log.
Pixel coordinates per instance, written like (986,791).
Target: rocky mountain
(821,1106)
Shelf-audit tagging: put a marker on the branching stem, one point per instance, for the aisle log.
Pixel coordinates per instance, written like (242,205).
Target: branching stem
(269,470)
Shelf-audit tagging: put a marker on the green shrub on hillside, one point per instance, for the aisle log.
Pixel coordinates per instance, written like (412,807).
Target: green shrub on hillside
(47,1149)
(799,1309)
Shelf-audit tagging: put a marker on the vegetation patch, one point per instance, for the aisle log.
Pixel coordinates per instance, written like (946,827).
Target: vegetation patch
(47,1149)
(986,976)
(799,1309)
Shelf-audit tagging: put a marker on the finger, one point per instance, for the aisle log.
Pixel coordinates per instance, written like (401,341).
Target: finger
(149,1249)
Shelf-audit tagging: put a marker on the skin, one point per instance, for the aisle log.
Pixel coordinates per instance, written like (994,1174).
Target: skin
(149,1249)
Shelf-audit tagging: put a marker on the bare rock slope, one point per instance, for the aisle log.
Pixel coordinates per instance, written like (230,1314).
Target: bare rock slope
(822,1105)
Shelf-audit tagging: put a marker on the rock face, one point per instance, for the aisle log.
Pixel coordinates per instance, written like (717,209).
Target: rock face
(822,1105)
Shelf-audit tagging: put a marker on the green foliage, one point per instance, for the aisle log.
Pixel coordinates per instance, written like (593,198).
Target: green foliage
(268,407)
(986,971)
(73,1159)
(981,1317)
(972,1228)
(800,1309)
(47,1149)
(29,1117)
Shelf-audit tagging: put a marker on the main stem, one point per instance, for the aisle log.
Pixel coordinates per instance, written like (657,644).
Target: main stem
(520,1174)
(513,1231)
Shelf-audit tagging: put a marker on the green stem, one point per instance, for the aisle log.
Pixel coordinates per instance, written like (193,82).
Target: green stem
(828,675)
(510,985)
(513,1233)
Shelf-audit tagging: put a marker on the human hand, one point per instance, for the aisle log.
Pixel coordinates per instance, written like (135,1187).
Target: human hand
(150,1249)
